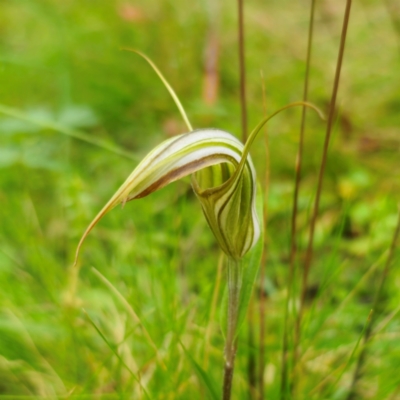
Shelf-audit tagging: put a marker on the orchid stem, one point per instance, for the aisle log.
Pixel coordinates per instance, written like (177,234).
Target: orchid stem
(234,275)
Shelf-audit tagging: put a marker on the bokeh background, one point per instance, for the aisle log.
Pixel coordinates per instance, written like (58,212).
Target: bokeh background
(76,115)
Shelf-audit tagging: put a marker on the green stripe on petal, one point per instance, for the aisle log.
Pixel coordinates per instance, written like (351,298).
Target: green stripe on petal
(227,198)
(230,209)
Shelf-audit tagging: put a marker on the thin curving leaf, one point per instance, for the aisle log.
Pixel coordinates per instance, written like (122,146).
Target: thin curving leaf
(223,314)
(132,314)
(352,354)
(251,264)
(74,133)
(204,378)
(166,84)
(114,350)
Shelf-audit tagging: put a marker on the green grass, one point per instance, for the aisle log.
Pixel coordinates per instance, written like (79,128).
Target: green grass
(61,63)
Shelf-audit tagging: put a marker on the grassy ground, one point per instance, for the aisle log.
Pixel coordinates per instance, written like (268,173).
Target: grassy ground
(149,284)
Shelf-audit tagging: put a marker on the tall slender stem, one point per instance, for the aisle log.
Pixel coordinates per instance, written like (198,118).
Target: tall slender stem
(234,275)
(293,244)
(310,247)
(261,356)
(242,71)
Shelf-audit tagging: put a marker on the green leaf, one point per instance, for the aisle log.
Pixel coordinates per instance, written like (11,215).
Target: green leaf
(114,349)
(202,375)
(250,266)
(39,119)
(77,116)
(223,316)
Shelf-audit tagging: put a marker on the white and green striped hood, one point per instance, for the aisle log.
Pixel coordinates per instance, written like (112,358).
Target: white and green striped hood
(224,182)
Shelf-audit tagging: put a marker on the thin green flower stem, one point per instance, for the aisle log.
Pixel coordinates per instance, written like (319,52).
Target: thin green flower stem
(310,247)
(260,125)
(242,71)
(234,275)
(166,84)
(377,299)
(293,244)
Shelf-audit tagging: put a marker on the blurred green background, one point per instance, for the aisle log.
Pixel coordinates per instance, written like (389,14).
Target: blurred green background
(76,115)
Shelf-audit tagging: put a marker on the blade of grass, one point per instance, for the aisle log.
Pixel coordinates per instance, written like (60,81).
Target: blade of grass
(202,375)
(73,133)
(328,279)
(23,331)
(114,350)
(340,307)
(366,327)
(377,299)
(343,368)
(131,312)
(212,311)
(385,322)
(96,371)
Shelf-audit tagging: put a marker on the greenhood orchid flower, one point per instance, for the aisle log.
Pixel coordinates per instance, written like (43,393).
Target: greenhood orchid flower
(223,179)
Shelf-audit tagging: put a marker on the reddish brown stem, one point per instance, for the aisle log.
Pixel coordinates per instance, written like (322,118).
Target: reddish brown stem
(242,71)
(293,241)
(261,357)
(310,247)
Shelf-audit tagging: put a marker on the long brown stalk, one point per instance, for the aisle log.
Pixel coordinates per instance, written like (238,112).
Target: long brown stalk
(293,240)
(261,354)
(310,247)
(243,107)
(242,70)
